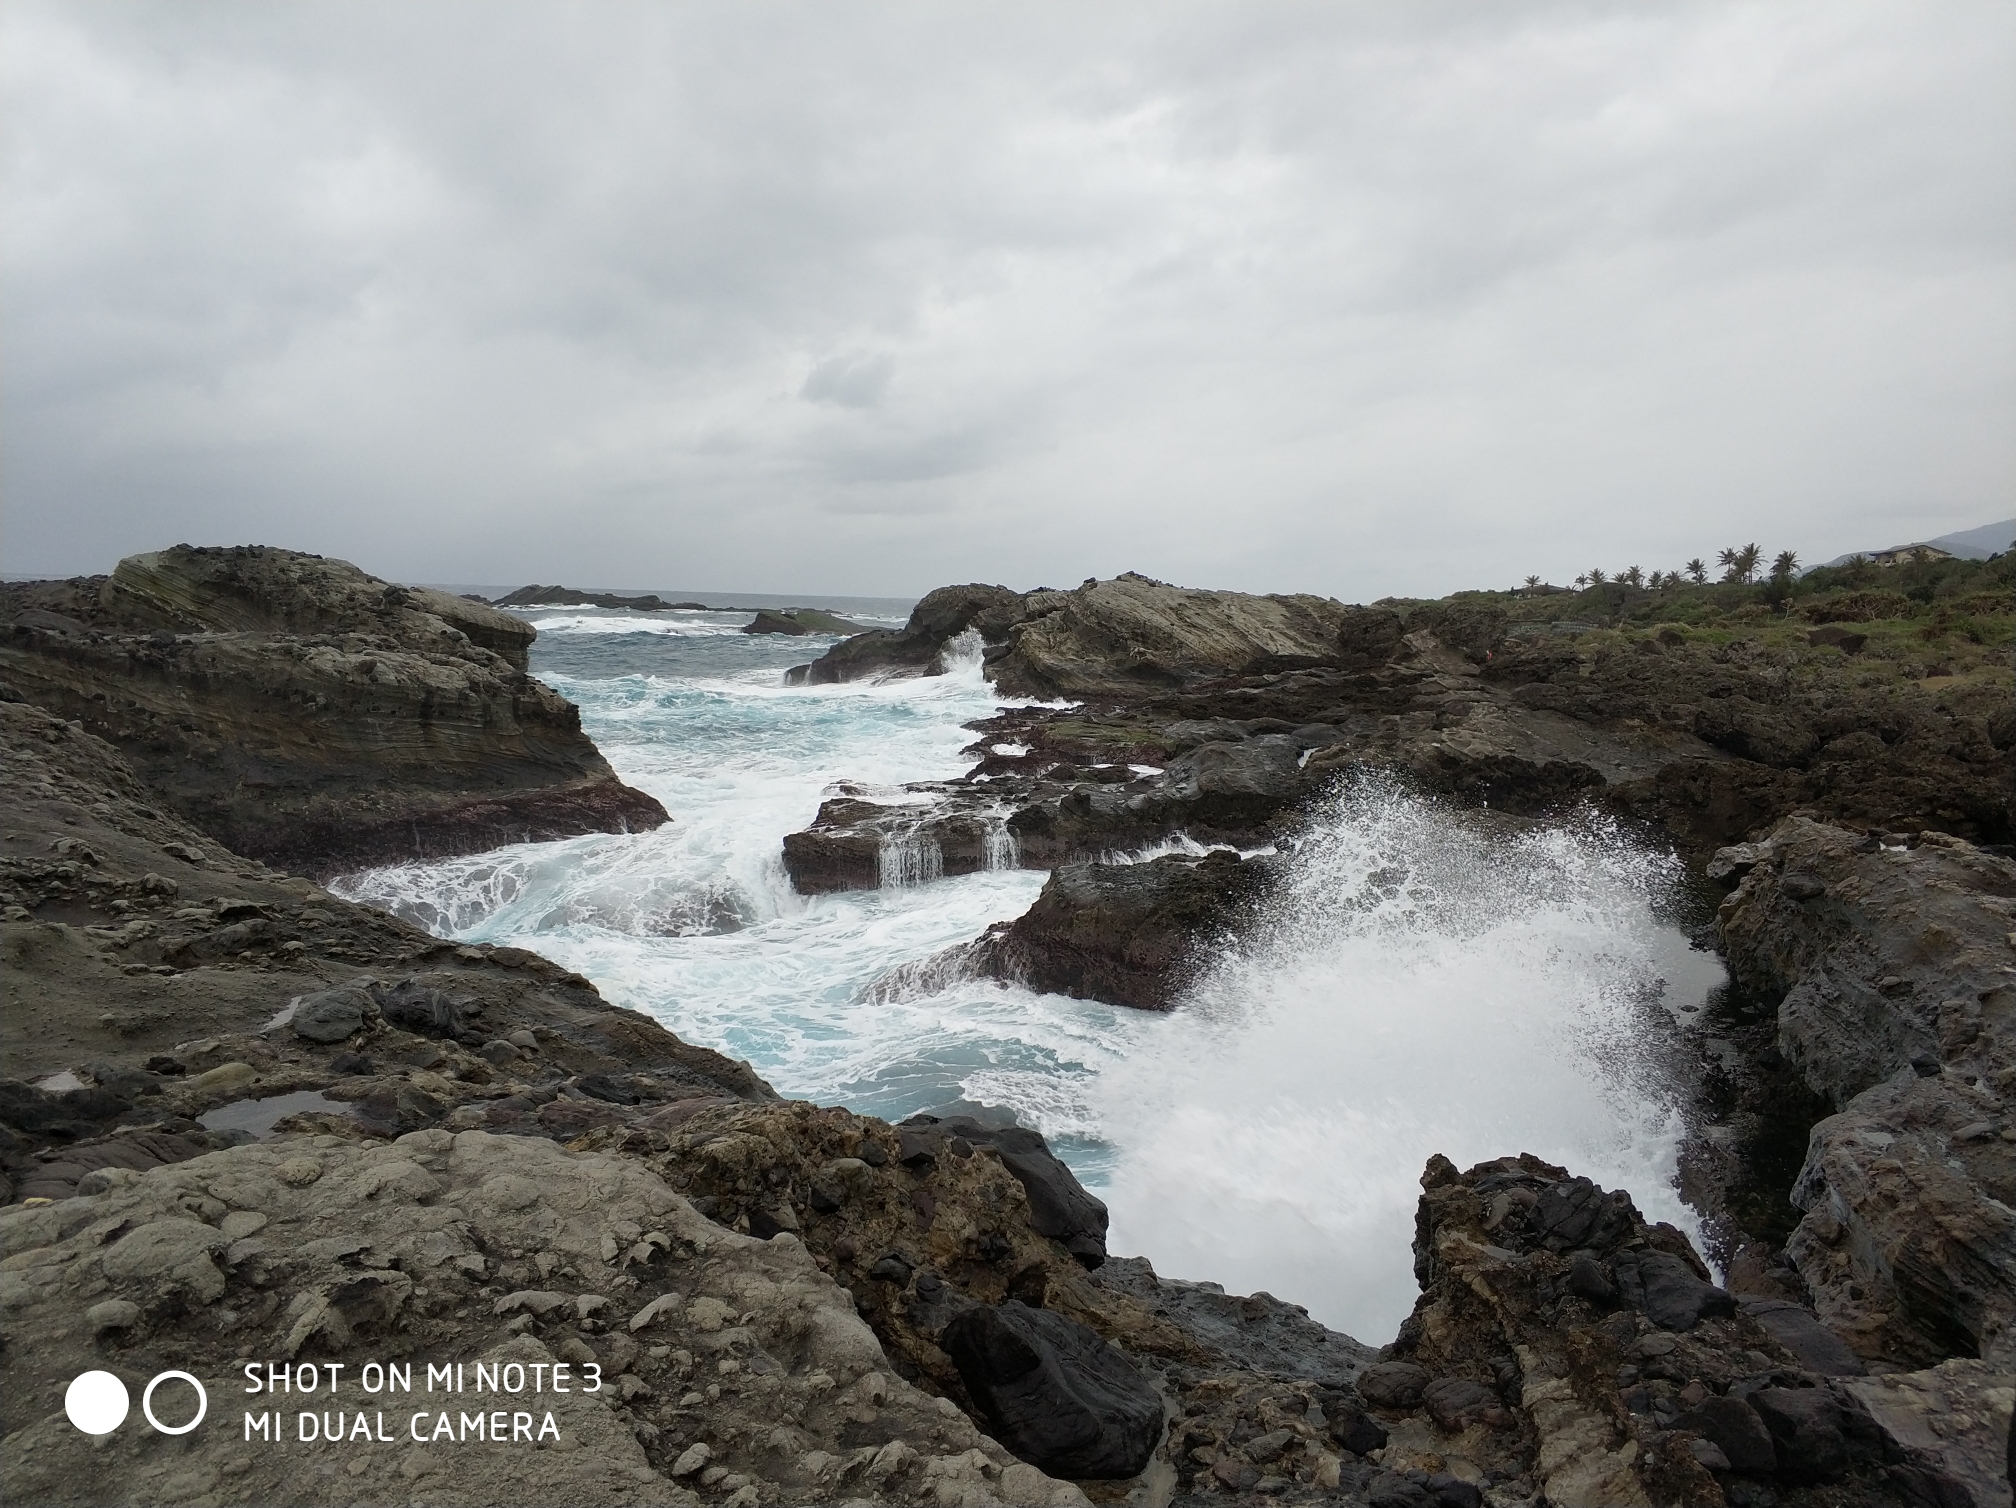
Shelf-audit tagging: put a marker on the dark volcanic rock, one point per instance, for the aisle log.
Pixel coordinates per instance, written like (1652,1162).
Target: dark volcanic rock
(1123,933)
(567,596)
(1257,1331)
(300,711)
(1611,1406)
(1055,1393)
(1666,1290)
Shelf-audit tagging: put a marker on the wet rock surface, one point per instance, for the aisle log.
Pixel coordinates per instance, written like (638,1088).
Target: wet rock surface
(300,711)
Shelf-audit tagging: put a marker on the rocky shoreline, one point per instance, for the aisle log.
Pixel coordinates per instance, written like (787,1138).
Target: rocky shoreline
(245,1118)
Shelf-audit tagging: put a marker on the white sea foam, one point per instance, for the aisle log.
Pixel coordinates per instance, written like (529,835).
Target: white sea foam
(1420,988)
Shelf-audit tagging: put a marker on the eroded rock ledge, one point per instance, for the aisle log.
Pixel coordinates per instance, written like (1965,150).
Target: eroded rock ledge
(302,712)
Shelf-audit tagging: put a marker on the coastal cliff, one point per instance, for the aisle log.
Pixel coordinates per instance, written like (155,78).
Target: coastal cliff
(302,712)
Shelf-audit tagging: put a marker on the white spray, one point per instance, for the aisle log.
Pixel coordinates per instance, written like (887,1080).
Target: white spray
(1419,988)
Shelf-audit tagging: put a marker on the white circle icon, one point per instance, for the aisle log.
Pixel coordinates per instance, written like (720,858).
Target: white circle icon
(97,1403)
(147,1403)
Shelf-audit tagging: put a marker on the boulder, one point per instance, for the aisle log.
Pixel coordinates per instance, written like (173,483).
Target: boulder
(1665,1289)
(1054,1393)
(1736,1429)
(1393,1384)
(332,1015)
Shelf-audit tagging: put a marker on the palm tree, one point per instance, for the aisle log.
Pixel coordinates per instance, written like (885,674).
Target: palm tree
(1784,565)
(1631,576)
(1697,570)
(1746,562)
(1531,582)
(1582,580)
(1726,558)
(1597,578)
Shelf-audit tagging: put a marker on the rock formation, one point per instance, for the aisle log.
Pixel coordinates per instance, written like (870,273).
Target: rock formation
(798,621)
(299,711)
(1889,960)
(567,596)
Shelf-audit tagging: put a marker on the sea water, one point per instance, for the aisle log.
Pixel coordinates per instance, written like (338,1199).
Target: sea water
(1418,988)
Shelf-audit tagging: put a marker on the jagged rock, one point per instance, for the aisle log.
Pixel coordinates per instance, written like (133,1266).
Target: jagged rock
(1122,637)
(1610,1407)
(1256,1331)
(301,711)
(1055,1393)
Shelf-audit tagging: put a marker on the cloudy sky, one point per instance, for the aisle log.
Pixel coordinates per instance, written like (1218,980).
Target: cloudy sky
(1391,296)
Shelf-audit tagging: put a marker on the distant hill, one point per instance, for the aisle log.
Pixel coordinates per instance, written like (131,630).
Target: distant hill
(1965,544)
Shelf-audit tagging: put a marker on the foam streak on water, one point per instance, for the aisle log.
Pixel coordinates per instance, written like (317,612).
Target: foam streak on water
(1422,988)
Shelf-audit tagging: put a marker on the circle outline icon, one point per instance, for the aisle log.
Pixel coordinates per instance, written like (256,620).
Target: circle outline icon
(90,1395)
(202,1403)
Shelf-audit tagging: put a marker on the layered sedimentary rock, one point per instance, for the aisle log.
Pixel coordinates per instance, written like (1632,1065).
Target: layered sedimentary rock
(194,979)
(302,712)
(1891,959)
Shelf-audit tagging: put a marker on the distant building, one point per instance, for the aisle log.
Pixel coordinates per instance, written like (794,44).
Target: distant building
(1906,554)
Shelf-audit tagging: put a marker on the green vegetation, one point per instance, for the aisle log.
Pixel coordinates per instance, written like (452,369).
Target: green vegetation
(1920,618)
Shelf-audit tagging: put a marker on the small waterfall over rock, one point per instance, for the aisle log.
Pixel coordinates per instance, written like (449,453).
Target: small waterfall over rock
(1000,850)
(912,859)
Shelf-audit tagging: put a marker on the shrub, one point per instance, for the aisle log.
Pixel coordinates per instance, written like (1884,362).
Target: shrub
(1860,607)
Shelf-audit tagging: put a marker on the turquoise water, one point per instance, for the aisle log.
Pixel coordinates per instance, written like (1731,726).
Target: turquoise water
(1419,989)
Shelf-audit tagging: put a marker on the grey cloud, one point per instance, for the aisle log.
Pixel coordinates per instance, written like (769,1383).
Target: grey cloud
(1357,299)
(850,381)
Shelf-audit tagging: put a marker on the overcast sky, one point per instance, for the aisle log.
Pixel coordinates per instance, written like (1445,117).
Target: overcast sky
(1350,298)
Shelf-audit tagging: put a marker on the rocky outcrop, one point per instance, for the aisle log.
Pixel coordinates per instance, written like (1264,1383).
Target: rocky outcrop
(567,596)
(1889,959)
(1120,639)
(1127,934)
(798,621)
(302,712)
(919,647)
(170,979)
